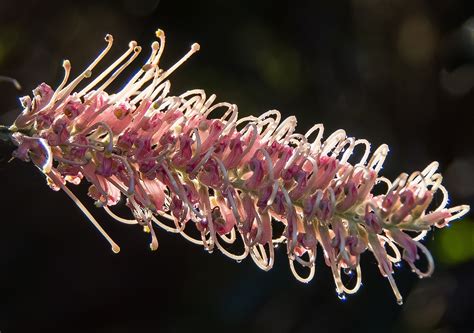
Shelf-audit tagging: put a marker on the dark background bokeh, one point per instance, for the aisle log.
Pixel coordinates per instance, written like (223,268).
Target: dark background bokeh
(396,72)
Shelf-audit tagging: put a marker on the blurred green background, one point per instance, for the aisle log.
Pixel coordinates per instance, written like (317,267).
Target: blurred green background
(396,72)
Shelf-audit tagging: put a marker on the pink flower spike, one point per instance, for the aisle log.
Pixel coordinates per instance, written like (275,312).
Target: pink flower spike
(177,165)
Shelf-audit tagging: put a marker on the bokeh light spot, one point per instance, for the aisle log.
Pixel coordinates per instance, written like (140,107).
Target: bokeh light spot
(416,40)
(456,244)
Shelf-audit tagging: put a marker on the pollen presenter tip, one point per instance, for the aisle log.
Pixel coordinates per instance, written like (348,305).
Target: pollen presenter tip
(115,249)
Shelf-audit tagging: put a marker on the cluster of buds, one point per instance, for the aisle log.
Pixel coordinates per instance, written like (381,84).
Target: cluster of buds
(192,167)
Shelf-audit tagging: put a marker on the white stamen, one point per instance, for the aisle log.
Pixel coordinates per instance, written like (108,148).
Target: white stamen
(459,211)
(178,228)
(271,123)
(236,257)
(161,35)
(429,258)
(88,71)
(102,75)
(136,52)
(444,202)
(395,290)
(131,175)
(298,276)
(366,150)
(386,181)
(316,145)
(358,284)
(178,190)
(286,128)
(348,151)
(145,69)
(421,235)
(118,218)
(67,72)
(259,256)
(194,48)
(332,141)
(15,83)
(115,247)
(203,161)
(398,256)
(252,139)
(378,157)
(191,239)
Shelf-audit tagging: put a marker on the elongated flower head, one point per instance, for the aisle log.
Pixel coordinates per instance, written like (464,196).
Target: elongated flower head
(192,167)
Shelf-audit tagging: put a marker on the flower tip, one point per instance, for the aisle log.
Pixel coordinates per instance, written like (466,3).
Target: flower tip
(160,33)
(155,45)
(109,38)
(66,64)
(195,47)
(154,245)
(115,248)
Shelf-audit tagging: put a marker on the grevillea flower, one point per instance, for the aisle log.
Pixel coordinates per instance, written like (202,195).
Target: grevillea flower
(225,182)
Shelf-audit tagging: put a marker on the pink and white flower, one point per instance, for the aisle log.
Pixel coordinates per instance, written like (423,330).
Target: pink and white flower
(180,167)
